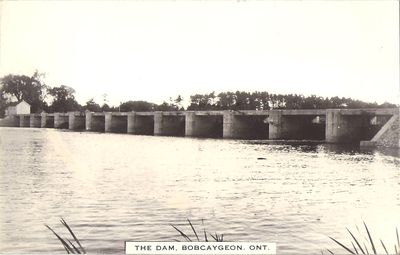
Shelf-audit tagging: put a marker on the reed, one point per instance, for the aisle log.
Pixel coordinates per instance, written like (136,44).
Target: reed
(358,246)
(208,237)
(69,245)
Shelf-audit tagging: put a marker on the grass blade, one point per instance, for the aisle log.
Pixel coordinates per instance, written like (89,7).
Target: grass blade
(398,241)
(204,230)
(66,246)
(205,235)
(330,251)
(194,231)
(355,249)
(355,240)
(370,239)
(384,247)
(366,249)
(73,246)
(215,238)
(72,234)
(66,249)
(182,234)
(343,246)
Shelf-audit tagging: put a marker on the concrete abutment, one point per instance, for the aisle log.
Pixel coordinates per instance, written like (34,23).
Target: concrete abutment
(388,135)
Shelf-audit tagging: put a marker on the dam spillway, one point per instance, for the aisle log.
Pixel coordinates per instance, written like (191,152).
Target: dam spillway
(330,125)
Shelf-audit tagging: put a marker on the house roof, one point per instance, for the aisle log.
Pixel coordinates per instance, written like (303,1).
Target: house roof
(16,103)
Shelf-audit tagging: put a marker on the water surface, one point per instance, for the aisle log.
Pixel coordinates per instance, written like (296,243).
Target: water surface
(111,188)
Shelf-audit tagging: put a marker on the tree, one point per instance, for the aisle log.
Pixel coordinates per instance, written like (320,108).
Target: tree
(139,106)
(166,107)
(106,108)
(22,87)
(203,102)
(387,105)
(92,106)
(226,101)
(63,99)
(178,102)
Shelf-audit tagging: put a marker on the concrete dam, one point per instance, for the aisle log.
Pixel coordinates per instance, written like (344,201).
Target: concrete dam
(370,127)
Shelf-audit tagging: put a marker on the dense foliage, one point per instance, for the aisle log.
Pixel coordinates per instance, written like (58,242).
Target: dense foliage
(241,100)
(62,99)
(22,87)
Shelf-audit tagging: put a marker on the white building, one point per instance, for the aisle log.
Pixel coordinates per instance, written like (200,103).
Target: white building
(21,107)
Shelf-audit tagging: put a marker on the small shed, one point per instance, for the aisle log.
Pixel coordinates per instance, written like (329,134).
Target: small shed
(20,107)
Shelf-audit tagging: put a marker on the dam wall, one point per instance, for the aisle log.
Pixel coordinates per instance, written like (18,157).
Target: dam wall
(10,121)
(61,120)
(203,125)
(47,120)
(388,136)
(369,127)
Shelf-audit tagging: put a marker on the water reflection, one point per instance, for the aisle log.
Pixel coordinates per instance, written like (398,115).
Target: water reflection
(319,146)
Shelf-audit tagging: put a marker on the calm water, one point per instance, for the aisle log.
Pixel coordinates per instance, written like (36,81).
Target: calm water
(111,188)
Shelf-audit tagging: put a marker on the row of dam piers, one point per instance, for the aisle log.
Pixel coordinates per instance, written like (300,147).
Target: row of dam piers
(329,125)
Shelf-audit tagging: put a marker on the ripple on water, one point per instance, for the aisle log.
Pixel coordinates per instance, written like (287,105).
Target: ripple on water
(111,188)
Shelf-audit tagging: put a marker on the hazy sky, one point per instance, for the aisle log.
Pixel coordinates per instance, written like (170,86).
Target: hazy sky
(159,49)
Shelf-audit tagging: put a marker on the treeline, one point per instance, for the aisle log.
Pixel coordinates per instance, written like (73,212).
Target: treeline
(139,106)
(42,97)
(241,100)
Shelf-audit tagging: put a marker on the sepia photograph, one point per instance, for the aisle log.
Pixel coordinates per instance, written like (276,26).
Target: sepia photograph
(199,127)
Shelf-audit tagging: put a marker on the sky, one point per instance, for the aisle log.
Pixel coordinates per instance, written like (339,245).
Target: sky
(154,50)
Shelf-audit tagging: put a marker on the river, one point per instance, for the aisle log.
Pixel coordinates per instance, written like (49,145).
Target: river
(112,188)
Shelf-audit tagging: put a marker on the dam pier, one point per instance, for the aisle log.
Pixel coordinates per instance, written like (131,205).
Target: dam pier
(369,127)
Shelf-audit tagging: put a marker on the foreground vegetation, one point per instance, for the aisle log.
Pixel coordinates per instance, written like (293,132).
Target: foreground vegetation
(198,237)
(75,246)
(69,245)
(358,245)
